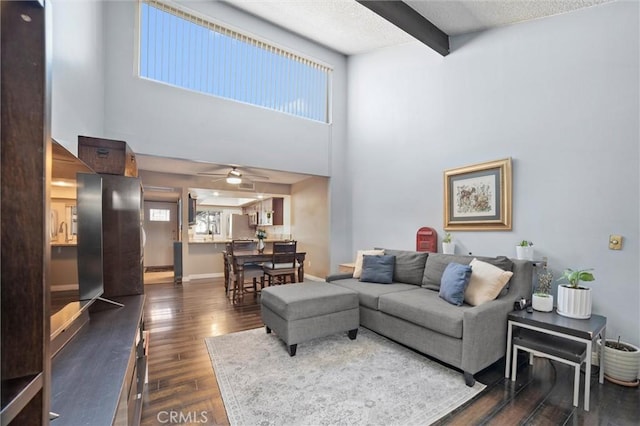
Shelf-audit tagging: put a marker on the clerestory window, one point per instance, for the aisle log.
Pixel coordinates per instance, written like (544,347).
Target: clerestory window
(188,51)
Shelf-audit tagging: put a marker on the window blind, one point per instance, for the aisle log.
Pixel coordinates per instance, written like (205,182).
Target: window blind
(191,52)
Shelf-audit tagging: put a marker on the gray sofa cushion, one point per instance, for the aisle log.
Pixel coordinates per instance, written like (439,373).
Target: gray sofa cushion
(437,262)
(425,308)
(409,266)
(369,293)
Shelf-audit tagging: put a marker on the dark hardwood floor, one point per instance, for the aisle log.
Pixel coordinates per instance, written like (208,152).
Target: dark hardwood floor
(182,387)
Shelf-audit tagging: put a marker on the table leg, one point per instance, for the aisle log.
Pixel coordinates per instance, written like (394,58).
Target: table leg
(508,358)
(240,278)
(576,385)
(301,271)
(603,339)
(514,364)
(587,376)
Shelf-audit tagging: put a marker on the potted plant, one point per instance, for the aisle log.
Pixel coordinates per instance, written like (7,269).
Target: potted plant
(574,301)
(543,301)
(621,362)
(524,250)
(448,246)
(261,234)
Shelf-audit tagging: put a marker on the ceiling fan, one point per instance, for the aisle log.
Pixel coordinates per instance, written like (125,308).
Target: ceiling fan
(234,176)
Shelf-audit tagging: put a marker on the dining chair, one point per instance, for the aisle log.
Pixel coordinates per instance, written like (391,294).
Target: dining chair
(251,271)
(225,257)
(244,245)
(283,263)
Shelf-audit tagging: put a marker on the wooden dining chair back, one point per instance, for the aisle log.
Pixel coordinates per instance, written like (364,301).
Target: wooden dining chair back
(244,245)
(283,262)
(251,271)
(228,272)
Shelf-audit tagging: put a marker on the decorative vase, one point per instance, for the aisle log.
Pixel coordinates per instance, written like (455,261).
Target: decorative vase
(524,252)
(542,302)
(574,302)
(260,245)
(621,365)
(448,248)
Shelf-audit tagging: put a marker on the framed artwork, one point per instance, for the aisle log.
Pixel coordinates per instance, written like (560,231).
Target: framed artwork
(478,197)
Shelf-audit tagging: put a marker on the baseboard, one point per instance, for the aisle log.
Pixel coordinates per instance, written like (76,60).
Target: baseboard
(203,276)
(313,278)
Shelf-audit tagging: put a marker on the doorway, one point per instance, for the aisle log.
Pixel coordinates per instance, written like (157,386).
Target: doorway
(161,228)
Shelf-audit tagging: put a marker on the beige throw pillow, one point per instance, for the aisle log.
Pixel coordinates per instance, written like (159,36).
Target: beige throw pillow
(486,282)
(357,270)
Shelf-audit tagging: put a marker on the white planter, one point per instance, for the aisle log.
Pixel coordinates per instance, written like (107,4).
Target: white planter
(542,303)
(524,252)
(574,302)
(448,248)
(621,365)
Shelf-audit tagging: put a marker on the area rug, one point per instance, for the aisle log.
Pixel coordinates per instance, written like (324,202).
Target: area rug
(332,381)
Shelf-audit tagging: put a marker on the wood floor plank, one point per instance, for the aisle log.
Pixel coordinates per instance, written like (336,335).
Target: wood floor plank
(182,379)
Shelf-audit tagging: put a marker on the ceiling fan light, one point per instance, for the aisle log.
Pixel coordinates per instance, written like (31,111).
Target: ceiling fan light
(234,180)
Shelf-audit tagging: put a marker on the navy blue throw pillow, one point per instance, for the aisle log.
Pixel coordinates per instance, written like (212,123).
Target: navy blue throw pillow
(453,283)
(378,269)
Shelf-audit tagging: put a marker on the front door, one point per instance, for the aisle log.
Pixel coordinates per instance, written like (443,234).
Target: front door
(161,229)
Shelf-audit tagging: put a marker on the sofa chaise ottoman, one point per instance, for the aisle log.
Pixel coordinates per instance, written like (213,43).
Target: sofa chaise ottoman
(308,310)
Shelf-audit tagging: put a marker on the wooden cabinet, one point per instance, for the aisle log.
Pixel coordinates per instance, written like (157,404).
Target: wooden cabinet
(98,378)
(108,156)
(26,175)
(277,206)
(122,201)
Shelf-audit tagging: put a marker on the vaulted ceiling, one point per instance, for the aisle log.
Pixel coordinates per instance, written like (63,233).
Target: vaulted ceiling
(351,28)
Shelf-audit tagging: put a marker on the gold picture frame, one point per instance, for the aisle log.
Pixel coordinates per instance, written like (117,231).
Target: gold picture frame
(478,197)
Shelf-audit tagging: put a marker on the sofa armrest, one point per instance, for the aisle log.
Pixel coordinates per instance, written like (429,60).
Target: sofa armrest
(335,277)
(484,334)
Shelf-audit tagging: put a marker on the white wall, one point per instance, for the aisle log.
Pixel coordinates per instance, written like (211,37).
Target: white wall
(77,71)
(310,223)
(558,95)
(162,120)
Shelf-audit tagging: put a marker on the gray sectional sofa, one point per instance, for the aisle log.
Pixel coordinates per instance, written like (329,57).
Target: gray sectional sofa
(410,311)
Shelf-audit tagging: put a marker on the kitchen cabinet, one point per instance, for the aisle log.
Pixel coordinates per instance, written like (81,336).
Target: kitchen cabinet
(272,212)
(191,215)
(278,211)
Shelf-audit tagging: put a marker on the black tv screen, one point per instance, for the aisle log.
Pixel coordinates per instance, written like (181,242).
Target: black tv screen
(90,278)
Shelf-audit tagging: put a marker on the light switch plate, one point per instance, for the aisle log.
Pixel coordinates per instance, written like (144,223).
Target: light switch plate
(615,242)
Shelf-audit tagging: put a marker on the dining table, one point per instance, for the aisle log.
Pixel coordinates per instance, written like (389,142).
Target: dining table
(241,258)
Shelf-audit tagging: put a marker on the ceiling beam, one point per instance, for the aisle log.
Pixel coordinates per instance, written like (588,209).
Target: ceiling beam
(407,19)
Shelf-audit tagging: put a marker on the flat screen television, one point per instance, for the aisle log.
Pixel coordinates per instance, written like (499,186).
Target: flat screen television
(75,225)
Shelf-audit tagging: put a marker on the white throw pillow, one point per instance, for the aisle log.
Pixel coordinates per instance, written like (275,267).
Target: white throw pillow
(357,270)
(486,282)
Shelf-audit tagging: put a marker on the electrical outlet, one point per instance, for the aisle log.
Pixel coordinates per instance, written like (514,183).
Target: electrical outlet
(615,242)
